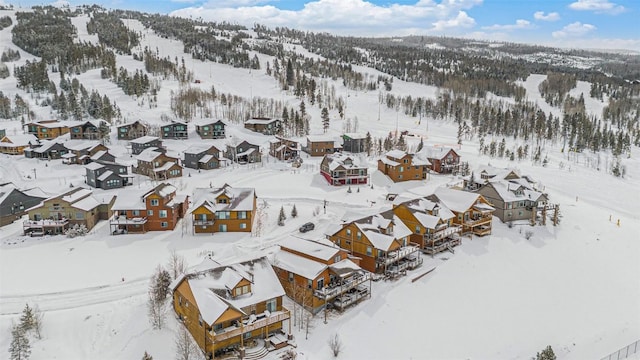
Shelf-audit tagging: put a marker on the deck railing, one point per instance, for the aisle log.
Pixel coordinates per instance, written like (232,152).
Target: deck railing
(233,331)
(396,255)
(332,291)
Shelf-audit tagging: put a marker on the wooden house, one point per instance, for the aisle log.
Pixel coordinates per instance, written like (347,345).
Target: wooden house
(17,144)
(15,202)
(342,169)
(157,209)
(133,130)
(176,130)
(157,165)
(380,241)
(320,145)
(224,307)
(400,166)
(88,130)
(284,149)
(140,144)
(107,175)
(48,129)
(473,212)
(443,160)
(211,129)
(244,152)
(57,214)
(514,200)
(431,224)
(354,143)
(266,126)
(47,150)
(225,209)
(85,152)
(203,156)
(317,275)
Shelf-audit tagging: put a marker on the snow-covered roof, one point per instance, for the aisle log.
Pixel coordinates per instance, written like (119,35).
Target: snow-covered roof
(344,267)
(149,154)
(57,124)
(320,138)
(507,190)
(263,121)
(379,240)
(307,268)
(166,166)
(19,140)
(198,148)
(77,145)
(132,123)
(105,175)
(426,220)
(205,158)
(210,287)
(86,204)
(396,154)
(201,122)
(144,139)
(310,248)
(456,200)
(130,199)
(385,160)
(99,154)
(355,135)
(72,197)
(93,166)
(342,160)
(46,145)
(432,152)
(241,199)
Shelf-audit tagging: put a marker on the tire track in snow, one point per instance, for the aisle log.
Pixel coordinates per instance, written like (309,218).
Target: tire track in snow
(63,300)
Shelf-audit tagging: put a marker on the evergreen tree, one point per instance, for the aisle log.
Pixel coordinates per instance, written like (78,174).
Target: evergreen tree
(294,212)
(27,320)
(146,356)
(368,143)
(546,354)
(290,76)
(420,145)
(324,114)
(20,349)
(282,217)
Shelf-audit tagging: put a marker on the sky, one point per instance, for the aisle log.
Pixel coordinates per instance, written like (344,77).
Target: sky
(593,24)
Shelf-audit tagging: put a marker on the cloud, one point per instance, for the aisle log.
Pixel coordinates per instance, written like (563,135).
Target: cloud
(352,17)
(520,24)
(552,16)
(597,6)
(575,29)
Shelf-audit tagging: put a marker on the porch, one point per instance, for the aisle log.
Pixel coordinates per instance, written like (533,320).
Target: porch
(479,225)
(341,286)
(442,245)
(248,325)
(45,226)
(122,225)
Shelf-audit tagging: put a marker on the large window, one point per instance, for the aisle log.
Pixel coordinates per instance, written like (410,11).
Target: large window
(272,305)
(162,213)
(154,202)
(149,212)
(369,251)
(222,215)
(242,214)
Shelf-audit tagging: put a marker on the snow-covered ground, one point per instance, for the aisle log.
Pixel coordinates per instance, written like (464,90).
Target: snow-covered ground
(574,287)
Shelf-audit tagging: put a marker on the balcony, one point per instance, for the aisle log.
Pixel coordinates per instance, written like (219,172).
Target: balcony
(397,255)
(201,222)
(233,331)
(478,220)
(442,233)
(45,223)
(340,287)
(441,246)
(351,297)
(123,220)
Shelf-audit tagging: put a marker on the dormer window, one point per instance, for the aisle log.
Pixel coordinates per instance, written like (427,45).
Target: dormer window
(222,201)
(241,290)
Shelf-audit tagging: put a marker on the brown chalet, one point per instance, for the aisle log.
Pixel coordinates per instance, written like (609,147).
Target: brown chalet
(473,212)
(284,149)
(431,224)
(154,163)
(132,130)
(315,274)
(224,307)
(57,214)
(17,144)
(266,126)
(443,160)
(48,129)
(85,152)
(399,166)
(320,145)
(381,242)
(226,209)
(157,209)
(341,169)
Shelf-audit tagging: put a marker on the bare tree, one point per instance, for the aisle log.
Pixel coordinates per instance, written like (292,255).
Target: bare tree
(335,344)
(186,349)
(38,315)
(157,310)
(176,265)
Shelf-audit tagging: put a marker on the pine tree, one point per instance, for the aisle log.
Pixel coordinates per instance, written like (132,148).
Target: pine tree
(324,114)
(20,349)
(282,217)
(546,354)
(146,356)
(420,145)
(294,212)
(368,143)
(27,320)
(289,74)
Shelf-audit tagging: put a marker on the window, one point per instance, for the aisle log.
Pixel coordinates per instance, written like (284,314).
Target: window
(222,228)
(290,276)
(369,251)
(135,212)
(222,215)
(222,201)
(417,229)
(401,169)
(162,213)
(348,232)
(359,235)
(242,214)
(164,224)
(79,215)
(217,327)
(243,226)
(149,212)
(309,283)
(272,305)
(337,258)
(406,161)
(320,283)
(154,202)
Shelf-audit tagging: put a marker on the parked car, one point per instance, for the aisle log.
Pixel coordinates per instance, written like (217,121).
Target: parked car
(307,227)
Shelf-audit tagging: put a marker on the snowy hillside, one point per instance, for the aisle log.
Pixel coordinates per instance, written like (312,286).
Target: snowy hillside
(574,287)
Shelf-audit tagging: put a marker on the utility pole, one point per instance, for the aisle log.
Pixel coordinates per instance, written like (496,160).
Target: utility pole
(34,174)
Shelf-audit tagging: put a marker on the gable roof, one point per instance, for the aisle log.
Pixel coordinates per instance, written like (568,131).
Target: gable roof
(144,139)
(241,199)
(311,248)
(149,154)
(456,200)
(261,121)
(19,140)
(433,152)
